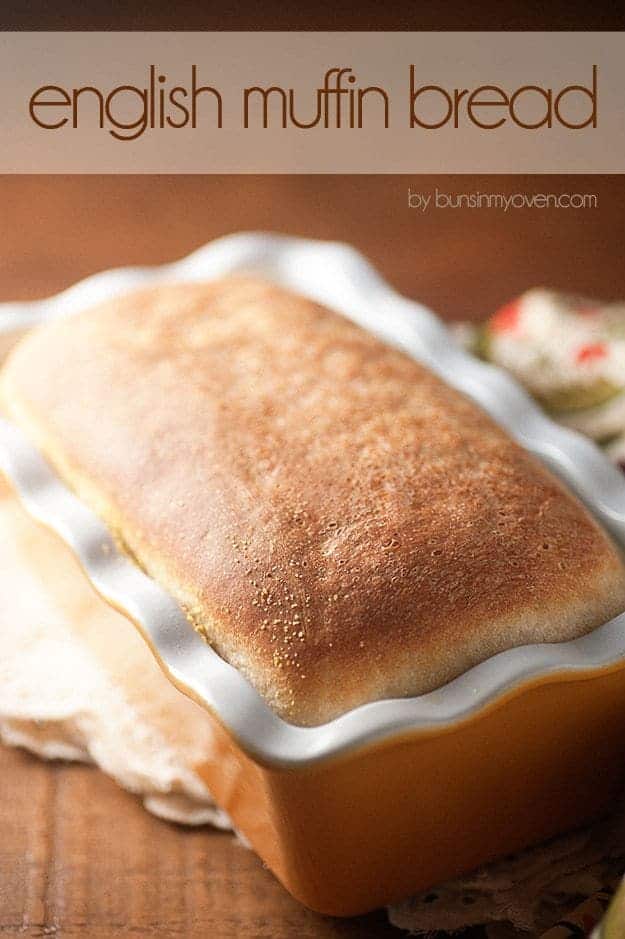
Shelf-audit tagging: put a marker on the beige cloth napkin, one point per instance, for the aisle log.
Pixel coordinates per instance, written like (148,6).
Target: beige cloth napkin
(77,682)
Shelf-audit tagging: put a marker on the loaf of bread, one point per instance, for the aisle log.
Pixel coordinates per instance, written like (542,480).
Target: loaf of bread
(338,523)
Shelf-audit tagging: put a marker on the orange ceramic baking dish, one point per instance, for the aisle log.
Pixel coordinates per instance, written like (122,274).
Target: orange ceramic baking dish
(396,795)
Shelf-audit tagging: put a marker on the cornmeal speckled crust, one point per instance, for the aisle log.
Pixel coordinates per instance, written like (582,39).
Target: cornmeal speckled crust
(340,524)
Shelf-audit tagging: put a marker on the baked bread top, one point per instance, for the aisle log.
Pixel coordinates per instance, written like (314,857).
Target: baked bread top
(338,523)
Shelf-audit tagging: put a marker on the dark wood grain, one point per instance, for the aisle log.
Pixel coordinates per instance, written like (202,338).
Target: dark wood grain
(79,857)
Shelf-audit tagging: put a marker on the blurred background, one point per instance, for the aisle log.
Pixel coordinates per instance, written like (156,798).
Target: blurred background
(462,262)
(320,14)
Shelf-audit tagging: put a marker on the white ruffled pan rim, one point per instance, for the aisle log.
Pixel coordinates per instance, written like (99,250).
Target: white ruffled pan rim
(341,278)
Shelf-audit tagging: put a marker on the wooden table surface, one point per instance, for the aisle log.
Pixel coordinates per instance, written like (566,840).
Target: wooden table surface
(78,856)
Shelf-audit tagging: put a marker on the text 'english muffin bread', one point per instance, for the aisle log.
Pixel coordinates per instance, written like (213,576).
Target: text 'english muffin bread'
(339,524)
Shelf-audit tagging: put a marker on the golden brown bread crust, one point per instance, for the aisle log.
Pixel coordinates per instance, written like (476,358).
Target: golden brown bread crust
(340,524)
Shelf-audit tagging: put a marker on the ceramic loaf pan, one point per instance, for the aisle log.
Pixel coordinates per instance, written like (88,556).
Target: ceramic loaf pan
(395,795)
